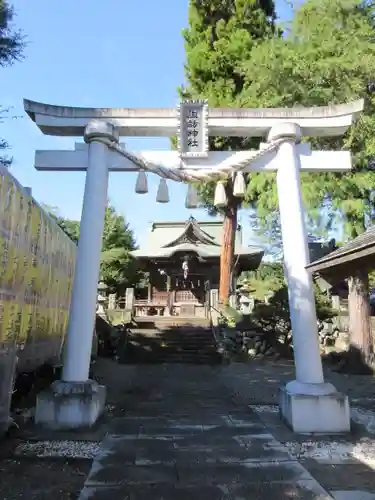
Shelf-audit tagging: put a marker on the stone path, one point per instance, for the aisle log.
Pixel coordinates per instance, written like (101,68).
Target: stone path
(184,436)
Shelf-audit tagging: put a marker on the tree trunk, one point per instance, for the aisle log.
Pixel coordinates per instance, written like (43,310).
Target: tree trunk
(227,246)
(360,356)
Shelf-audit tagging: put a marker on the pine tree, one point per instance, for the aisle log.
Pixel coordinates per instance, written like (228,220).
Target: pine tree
(11,48)
(327,58)
(218,41)
(118,268)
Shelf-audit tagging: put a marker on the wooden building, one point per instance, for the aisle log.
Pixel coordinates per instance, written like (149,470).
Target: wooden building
(183,262)
(357,255)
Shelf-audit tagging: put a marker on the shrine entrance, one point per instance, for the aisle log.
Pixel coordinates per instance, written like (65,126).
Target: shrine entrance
(308,403)
(175,296)
(182,260)
(190,297)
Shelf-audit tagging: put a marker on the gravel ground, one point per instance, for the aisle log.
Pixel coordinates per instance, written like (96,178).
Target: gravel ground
(41,465)
(41,470)
(42,479)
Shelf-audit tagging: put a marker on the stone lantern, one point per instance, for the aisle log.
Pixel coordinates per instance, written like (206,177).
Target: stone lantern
(246,300)
(101,299)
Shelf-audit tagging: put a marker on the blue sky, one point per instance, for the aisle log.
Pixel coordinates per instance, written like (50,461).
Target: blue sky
(116,54)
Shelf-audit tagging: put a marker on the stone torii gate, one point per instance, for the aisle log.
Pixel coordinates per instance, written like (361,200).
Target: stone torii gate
(307,404)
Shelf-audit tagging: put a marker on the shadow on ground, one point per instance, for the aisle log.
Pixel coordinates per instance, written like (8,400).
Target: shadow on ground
(183,344)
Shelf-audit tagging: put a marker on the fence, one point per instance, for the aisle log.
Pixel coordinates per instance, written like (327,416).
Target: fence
(37,262)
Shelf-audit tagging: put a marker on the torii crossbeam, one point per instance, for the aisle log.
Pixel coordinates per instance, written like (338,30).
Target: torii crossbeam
(65,121)
(78,160)
(307,404)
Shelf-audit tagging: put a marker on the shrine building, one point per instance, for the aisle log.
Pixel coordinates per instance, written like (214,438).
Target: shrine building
(183,263)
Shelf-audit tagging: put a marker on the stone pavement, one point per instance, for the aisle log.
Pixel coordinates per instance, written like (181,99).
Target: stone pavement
(183,435)
(260,382)
(344,465)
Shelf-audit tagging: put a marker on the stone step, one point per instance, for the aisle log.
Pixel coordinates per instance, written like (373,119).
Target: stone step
(188,333)
(173,340)
(162,322)
(183,352)
(180,345)
(173,348)
(180,332)
(174,345)
(182,361)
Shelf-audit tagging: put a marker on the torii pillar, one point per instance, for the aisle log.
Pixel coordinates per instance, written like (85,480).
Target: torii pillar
(307,404)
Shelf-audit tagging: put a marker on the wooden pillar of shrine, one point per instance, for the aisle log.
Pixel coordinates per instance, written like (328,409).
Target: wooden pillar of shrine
(170,296)
(149,289)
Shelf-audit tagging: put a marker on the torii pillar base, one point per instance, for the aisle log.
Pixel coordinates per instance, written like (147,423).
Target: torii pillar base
(307,410)
(70,405)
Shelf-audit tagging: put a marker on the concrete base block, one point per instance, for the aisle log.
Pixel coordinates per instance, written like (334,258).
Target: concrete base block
(320,413)
(70,405)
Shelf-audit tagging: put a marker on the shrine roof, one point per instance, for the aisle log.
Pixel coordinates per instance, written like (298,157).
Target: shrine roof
(203,238)
(355,255)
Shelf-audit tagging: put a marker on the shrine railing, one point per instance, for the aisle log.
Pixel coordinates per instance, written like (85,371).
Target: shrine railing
(188,296)
(160,297)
